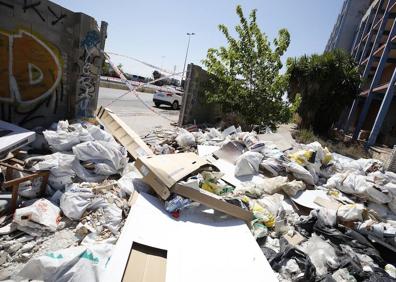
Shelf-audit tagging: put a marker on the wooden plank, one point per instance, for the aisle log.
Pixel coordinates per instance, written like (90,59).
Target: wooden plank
(213,201)
(123,133)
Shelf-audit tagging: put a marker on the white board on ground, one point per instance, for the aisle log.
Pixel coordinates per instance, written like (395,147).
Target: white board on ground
(200,246)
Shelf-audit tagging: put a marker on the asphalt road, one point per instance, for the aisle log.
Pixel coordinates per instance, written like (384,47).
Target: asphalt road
(134,113)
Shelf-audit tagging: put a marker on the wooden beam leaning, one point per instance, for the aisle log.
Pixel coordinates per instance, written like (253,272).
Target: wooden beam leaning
(123,133)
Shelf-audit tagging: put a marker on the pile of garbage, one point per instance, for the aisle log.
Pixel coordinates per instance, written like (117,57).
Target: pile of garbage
(82,213)
(317,215)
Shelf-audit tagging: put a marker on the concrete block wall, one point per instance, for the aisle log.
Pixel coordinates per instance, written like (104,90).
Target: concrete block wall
(50,63)
(195,109)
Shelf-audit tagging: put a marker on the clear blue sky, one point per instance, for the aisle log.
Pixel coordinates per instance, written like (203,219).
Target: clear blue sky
(155,30)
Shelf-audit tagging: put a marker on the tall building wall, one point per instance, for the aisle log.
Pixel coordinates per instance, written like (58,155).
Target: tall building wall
(348,21)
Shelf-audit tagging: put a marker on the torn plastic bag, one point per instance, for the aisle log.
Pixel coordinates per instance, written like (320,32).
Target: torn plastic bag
(113,218)
(177,203)
(266,186)
(82,263)
(231,130)
(272,203)
(66,136)
(99,134)
(288,252)
(41,212)
(185,138)
(248,164)
(271,185)
(340,235)
(321,253)
(350,212)
(109,158)
(214,134)
(131,178)
(261,214)
(343,275)
(322,155)
(273,166)
(363,165)
(300,173)
(291,188)
(85,174)
(60,167)
(381,230)
(252,142)
(77,199)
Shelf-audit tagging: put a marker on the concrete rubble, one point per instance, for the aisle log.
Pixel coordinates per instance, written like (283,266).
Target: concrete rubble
(316,215)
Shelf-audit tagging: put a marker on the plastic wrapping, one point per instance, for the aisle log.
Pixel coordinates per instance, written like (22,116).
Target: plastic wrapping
(248,164)
(41,212)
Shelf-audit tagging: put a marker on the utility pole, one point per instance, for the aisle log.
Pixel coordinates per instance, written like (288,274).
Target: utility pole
(185,60)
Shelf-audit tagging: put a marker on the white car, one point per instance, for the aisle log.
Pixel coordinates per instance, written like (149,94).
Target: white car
(168,97)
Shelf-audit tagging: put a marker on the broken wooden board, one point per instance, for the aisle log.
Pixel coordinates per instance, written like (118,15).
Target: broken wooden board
(212,201)
(123,133)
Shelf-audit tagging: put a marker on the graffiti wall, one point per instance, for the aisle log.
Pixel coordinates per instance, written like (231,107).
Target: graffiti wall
(50,63)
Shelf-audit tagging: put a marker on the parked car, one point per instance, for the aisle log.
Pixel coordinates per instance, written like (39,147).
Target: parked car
(170,98)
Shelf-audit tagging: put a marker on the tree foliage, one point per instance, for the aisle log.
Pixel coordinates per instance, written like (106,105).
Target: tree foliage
(244,76)
(327,84)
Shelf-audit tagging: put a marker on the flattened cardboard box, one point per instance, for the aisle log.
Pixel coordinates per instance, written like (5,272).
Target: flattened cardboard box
(162,172)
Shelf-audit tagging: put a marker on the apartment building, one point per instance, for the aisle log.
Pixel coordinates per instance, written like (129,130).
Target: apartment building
(347,23)
(372,116)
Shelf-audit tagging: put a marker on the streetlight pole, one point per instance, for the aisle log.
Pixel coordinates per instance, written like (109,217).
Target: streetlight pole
(185,60)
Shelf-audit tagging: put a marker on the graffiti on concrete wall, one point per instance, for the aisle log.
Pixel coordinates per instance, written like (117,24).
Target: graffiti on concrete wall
(89,72)
(30,72)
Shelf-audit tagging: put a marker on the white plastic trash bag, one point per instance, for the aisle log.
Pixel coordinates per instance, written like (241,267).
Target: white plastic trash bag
(291,188)
(300,173)
(109,158)
(75,264)
(248,164)
(41,212)
(127,181)
(351,212)
(66,136)
(60,167)
(75,201)
(271,185)
(185,138)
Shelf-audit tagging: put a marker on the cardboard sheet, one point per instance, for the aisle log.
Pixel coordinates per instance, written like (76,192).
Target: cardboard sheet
(200,246)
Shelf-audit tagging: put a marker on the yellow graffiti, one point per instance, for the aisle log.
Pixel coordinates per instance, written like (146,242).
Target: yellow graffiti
(29,68)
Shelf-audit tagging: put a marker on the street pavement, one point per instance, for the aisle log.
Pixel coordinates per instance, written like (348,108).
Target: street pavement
(134,113)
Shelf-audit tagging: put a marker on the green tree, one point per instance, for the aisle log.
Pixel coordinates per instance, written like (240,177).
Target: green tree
(327,84)
(244,76)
